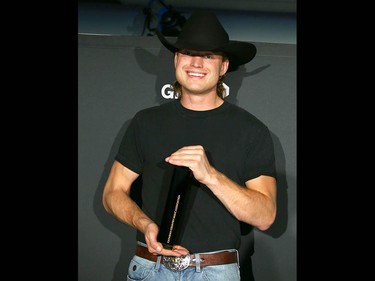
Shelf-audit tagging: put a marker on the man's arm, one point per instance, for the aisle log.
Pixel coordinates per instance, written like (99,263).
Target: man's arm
(254,204)
(117,201)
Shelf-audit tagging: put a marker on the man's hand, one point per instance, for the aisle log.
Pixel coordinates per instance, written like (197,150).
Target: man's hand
(156,248)
(194,157)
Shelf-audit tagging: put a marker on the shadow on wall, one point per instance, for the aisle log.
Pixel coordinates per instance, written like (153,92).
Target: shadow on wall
(276,230)
(126,233)
(156,65)
(151,64)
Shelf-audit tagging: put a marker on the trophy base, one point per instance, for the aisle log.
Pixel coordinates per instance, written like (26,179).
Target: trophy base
(167,246)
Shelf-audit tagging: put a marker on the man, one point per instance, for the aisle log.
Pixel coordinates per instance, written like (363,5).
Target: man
(227,149)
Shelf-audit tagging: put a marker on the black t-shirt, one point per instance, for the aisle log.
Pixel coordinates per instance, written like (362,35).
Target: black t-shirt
(236,143)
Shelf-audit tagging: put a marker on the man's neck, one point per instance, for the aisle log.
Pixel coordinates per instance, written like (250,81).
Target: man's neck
(201,102)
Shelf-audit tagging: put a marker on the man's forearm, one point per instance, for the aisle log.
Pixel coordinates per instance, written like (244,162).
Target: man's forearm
(122,207)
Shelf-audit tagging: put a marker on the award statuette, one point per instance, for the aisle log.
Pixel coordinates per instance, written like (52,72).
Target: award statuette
(170,229)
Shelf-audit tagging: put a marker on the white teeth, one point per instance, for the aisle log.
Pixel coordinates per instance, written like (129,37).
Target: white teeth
(196,74)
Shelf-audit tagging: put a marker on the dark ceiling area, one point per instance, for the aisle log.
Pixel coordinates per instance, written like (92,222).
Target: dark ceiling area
(261,21)
(280,6)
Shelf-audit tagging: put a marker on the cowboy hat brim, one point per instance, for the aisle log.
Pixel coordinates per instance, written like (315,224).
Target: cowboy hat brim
(238,52)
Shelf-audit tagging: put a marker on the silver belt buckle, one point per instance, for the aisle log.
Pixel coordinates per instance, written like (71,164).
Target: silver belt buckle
(177,263)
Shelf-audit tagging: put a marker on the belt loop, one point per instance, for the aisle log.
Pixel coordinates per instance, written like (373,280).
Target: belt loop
(238,258)
(197,263)
(157,264)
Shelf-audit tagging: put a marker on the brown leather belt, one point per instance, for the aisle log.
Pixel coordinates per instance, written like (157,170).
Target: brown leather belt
(206,259)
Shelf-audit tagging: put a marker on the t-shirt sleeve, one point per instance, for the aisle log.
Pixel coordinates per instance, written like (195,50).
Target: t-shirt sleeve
(130,152)
(261,158)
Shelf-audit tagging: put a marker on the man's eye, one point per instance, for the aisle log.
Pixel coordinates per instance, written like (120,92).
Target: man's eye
(187,53)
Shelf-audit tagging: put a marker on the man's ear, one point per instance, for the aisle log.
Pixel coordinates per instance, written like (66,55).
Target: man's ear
(224,67)
(175,59)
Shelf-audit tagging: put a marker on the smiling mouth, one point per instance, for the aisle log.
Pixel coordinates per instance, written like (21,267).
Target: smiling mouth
(195,74)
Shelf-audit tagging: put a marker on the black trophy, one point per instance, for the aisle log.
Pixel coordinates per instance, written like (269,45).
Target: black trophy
(170,229)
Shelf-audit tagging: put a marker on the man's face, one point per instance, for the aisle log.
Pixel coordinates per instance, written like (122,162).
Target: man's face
(198,72)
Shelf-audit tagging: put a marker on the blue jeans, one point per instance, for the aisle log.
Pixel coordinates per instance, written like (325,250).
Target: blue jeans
(141,269)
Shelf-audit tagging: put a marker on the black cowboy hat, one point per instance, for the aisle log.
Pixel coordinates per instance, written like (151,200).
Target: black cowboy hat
(203,32)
